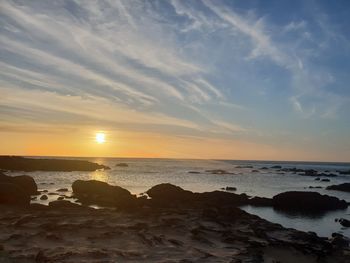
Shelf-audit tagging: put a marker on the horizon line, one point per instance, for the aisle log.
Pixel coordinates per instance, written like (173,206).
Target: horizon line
(177,158)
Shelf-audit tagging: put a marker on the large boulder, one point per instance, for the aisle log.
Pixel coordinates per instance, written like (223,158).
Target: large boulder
(169,193)
(101,193)
(345,187)
(307,202)
(11,194)
(25,182)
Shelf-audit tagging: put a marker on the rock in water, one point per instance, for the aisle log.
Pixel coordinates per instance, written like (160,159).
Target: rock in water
(16,163)
(344,222)
(345,187)
(307,202)
(169,195)
(230,188)
(11,194)
(101,193)
(25,182)
(122,165)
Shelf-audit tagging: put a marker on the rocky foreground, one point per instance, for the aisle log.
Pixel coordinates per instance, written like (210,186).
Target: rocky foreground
(166,224)
(77,234)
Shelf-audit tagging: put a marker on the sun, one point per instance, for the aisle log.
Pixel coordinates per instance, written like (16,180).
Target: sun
(100,137)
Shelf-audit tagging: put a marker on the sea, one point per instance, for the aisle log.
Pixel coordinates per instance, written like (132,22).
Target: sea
(141,174)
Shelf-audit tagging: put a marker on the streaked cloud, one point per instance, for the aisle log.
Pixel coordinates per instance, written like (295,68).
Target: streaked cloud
(183,68)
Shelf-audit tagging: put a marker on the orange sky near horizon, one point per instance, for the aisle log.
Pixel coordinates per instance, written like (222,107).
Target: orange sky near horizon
(151,145)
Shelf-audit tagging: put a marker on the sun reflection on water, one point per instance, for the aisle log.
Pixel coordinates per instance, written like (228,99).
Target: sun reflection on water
(99,176)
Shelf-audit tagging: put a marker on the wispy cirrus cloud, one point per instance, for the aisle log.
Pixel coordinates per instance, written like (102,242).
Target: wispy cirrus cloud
(205,67)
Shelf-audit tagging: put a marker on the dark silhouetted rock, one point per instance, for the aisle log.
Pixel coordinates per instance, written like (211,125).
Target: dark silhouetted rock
(260,201)
(255,171)
(344,222)
(339,241)
(101,193)
(218,171)
(264,168)
(327,175)
(317,179)
(315,187)
(307,202)
(25,182)
(16,163)
(325,180)
(344,172)
(62,190)
(43,197)
(38,206)
(122,165)
(276,167)
(64,204)
(345,187)
(244,166)
(230,188)
(11,194)
(169,193)
(194,172)
(60,198)
(310,172)
(172,195)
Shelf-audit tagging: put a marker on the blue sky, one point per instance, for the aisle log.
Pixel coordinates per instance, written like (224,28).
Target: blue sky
(266,73)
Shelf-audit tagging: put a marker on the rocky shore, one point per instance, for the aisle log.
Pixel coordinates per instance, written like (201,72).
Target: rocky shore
(165,224)
(17,163)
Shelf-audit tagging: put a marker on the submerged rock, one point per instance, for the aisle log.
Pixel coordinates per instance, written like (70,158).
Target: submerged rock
(244,166)
(218,171)
(276,167)
(43,197)
(307,202)
(230,188)
(16,163)
(345,187)
(101,193)
(122,165)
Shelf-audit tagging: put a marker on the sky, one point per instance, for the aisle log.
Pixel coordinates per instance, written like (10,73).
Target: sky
(214,79)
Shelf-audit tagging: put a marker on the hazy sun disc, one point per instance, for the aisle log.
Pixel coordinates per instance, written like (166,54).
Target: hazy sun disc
(100,137)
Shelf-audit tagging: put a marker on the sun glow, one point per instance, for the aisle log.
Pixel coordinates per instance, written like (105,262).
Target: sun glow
(100,137)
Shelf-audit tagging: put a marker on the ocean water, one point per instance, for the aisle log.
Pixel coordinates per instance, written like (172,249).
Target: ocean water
(142,174)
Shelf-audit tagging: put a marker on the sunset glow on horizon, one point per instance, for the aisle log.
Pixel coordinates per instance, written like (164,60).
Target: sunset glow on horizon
(176,79)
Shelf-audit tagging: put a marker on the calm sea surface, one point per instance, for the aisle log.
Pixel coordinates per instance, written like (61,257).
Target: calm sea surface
(141,174)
